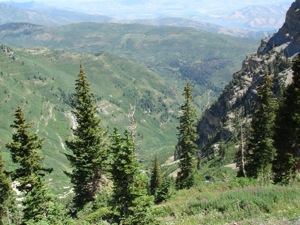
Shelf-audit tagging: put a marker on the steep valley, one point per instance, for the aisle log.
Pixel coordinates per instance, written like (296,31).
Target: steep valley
(127,65)
(42,82)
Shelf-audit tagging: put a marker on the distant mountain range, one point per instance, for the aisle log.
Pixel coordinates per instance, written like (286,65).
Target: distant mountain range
(43,15)
(259,17)
(268,15)
(252,21)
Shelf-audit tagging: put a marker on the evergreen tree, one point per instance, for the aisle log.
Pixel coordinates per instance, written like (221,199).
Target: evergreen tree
(187,141)
(260,149)
(26,152)
(165,190)
(40,205)
(88,145)
(130,201)
(156,181)
(287,134)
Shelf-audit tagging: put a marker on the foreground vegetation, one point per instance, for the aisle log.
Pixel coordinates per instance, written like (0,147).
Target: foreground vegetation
(234,200)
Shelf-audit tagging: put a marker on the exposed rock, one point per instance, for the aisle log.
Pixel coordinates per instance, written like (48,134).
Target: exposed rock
(225,109)
(289,33)
(8,51)
(241,93)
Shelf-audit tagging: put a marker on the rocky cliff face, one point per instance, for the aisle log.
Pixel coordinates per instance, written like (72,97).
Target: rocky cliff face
(237,102)
(288,36)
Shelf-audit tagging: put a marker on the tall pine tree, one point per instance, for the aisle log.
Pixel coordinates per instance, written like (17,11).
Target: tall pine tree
(40,205)
(26,152)
(187,138)
(160,187)
(260,149)
(89,145)
(131,204)
(156,179)
(287,134)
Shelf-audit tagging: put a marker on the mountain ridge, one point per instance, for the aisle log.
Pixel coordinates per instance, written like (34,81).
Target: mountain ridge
(168,51)
(238,100)
(259,17)
(42,14)
(288,36)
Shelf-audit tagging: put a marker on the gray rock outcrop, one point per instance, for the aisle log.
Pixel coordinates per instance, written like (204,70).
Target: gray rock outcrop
(288,34)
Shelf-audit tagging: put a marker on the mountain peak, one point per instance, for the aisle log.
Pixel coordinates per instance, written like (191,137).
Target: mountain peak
(288,36)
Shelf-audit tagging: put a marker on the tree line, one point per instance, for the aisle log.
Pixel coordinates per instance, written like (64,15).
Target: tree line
(272,153)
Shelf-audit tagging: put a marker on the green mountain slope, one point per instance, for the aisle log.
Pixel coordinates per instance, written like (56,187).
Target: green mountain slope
(42,81)
(160,61)
(172,52)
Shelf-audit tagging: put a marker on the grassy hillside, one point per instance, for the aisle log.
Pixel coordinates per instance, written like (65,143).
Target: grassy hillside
(229,200)
(171,52)
(42,81)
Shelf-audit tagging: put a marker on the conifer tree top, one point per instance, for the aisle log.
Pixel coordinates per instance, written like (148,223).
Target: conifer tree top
(88,145)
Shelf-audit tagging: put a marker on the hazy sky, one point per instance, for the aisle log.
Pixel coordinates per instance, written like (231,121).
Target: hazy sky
(224,3)
(208,8)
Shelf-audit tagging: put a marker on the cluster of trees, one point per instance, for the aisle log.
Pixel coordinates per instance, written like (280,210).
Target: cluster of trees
(99,162)
(272,153)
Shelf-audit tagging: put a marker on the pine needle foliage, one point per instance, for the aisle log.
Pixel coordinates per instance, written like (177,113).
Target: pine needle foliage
(287,134)
(88,145)
(131,204)
(156,179)
(187,138)
(26,151)
(41,205)
(260,149)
